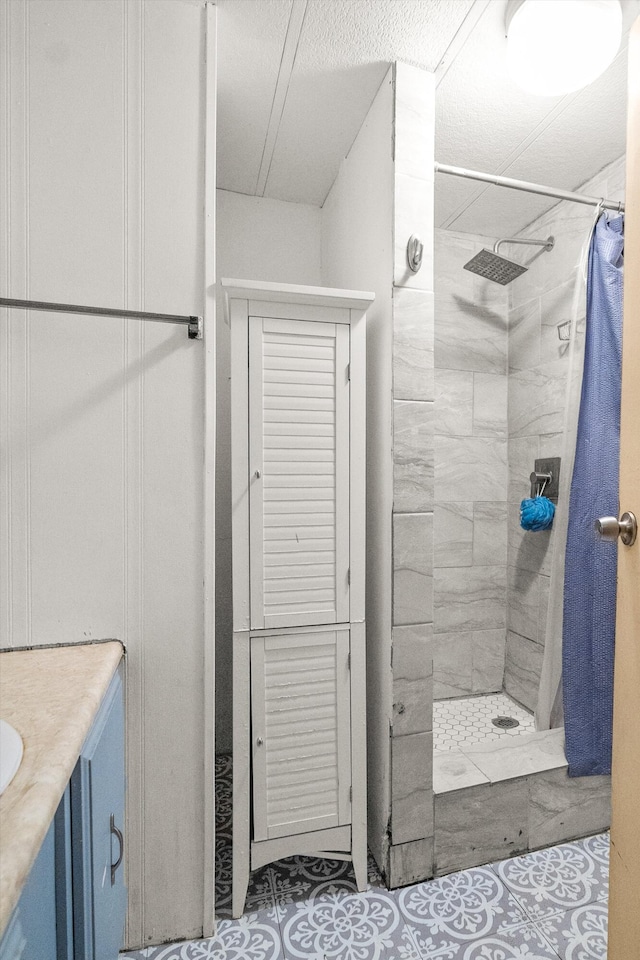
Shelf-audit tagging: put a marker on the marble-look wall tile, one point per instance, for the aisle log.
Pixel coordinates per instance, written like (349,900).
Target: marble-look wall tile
(470,334)
(412,568)
(414,121)
(489,533)
(523,452)
(452,665)
(453,535)
(413,214)
(469,598)
(411,787)
(524,336)
(489,405)
(562,807)
(413,325)
(480,824)
(470,468)
(522,670)
(412,659)
(556,307)
(454,403)
(536,400)
(569,224)
(451,251)
(412,456)
(488,660)
(410,862)
(468,662)
(412,651)
(551,445)
(543,608)
(523,602)
(530,550)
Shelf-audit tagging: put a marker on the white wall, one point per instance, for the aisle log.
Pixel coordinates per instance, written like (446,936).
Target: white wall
(257,239)
(102,428)
(357,253)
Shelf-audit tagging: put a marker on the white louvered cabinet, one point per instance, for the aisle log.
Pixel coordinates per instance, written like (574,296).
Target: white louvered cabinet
(299,489)
(298,454)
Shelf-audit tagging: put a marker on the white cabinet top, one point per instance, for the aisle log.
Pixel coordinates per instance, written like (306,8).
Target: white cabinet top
(297,293)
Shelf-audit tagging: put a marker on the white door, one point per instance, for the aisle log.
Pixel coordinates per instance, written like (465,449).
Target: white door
(624,892)
(301,732)
(298,472)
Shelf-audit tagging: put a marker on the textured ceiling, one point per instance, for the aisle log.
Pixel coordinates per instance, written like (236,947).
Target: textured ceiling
(296,78)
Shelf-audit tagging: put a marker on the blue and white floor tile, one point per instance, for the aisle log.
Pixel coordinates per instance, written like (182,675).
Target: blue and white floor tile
(546,905)
(555,880)
(337,922)
(462,906)
(580,934)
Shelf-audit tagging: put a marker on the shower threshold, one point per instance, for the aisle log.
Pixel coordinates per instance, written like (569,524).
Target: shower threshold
(503,792)
(471,748)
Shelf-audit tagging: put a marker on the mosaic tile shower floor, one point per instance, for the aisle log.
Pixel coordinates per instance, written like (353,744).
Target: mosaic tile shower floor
(467,720)
(548,905)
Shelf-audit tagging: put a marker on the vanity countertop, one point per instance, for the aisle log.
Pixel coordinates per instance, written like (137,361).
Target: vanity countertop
(51,696)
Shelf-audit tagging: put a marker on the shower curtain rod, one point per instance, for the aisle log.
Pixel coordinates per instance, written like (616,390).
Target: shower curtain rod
(194,324)
(527,187)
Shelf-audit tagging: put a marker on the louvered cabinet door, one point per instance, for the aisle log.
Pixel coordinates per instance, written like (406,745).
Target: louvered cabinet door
(301,732)
(298,472)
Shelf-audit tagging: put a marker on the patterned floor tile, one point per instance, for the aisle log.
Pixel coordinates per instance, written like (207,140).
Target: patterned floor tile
(222,765)
(338,924)
(224,862)
(254,937)
(525,943)
(598,849)
(297,879)
(374,877)
(580,934)
(467,720)
(446,914)
(547,882)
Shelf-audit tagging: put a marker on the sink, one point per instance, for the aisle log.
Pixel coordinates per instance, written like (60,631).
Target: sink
(10,754)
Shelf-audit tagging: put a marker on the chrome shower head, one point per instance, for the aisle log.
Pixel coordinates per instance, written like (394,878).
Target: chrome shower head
(490,265)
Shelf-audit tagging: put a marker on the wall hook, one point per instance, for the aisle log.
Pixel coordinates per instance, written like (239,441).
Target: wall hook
(415,249)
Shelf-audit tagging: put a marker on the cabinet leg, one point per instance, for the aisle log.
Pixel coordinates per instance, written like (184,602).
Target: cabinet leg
(239,887)
(360,868)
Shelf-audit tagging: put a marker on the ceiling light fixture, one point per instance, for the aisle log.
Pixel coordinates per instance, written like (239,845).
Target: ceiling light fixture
(558,46)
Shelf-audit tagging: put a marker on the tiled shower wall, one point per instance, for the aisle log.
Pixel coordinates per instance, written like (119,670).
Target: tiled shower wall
(470,489)
(411,847)
(538,365)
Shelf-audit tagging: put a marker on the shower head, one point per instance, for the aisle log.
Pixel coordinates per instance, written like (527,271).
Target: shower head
(490,265)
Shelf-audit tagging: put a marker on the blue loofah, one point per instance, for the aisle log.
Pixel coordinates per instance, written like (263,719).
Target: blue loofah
(537,514)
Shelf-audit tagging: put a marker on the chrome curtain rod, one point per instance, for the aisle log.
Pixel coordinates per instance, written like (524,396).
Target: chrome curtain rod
(194,324)
(527,187)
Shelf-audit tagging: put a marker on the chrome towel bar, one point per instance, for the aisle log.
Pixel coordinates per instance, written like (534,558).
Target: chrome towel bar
(194,324)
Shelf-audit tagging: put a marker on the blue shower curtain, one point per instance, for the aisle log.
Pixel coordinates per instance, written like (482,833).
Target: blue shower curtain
(591,563)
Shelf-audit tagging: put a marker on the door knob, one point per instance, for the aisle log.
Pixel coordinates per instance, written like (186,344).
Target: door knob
(626,528)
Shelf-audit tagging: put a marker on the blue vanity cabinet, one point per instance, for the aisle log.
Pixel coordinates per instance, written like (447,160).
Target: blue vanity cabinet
(97,819)
(31,934)
(73,904)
